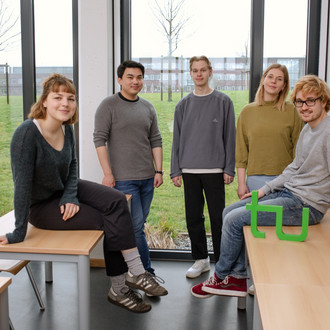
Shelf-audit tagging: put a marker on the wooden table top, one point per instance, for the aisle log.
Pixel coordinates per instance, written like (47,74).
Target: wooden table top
(274,261)
(289,307)
(4,283)
(292,279)
(77,242)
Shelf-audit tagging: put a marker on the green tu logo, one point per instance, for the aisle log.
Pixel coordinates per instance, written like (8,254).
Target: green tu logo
(254,207)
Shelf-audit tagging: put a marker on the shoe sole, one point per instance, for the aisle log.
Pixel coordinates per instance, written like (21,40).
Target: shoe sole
(123,306)
(198,274)
(230,293)
(135,286)
(200,296)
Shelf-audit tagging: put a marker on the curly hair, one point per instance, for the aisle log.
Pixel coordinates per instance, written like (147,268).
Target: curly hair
(312,84)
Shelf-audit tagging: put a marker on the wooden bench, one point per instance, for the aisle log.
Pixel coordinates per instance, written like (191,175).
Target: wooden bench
(55,245)
(291,279)
(4,309)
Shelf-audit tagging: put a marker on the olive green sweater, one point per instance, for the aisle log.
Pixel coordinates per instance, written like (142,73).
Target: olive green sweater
(266,138)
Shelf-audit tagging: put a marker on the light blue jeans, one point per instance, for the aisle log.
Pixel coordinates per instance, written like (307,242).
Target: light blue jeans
(235,216)
(142,192)
(255,182)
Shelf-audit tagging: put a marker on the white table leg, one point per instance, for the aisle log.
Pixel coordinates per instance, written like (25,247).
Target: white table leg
(84,292)
(4,310)
(49,271)
(256,315)
(241,302)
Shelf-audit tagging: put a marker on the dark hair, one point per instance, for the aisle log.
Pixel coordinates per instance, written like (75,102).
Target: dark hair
(129,64)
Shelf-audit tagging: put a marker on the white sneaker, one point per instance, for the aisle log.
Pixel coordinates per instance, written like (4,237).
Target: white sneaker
(200,266)
(251,290)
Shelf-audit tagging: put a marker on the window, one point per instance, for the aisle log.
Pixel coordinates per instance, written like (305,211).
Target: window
(11,102)
(204,33)
(53,39)
(285,43)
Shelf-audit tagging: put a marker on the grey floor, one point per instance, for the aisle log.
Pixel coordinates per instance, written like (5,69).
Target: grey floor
(178,310)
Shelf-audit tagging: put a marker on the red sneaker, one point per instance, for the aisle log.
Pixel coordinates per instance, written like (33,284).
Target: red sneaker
(230,286)
(197,290)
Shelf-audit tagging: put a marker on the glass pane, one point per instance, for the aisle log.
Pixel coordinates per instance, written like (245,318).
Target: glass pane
(53,39)
(285,35)
(209,29)
(11,101)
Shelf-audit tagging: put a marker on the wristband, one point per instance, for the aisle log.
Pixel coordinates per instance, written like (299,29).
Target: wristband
(159,172)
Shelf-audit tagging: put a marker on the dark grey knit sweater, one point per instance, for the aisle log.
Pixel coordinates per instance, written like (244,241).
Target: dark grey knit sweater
(40,172)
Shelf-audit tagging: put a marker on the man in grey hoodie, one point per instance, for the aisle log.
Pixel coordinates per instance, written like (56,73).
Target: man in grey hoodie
(305,183)
(203,153)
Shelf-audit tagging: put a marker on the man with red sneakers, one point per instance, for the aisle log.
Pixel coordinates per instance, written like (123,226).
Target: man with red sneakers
(303,183)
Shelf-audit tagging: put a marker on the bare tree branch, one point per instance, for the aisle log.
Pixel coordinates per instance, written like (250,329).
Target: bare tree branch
(8,24)
(171,19)
(170,16)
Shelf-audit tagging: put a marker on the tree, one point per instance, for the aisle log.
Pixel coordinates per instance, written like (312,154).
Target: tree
(7,27)
(170,17)
(245,72)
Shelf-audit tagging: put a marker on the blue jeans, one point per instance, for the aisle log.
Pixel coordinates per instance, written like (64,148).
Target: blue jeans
(255,182)
(142,192)
(235,216)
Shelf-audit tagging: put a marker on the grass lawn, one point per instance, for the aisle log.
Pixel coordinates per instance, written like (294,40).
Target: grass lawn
(167,210)
(10,117)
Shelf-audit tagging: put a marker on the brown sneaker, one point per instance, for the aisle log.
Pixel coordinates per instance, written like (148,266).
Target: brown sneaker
(129,300)
(147,283)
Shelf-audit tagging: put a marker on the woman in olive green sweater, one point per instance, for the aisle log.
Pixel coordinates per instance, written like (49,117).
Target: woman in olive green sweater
(267,132)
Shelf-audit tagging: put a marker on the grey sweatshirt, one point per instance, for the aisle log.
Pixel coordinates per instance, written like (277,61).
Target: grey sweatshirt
(204,134)
(308,176)
(40,172)
(130,131)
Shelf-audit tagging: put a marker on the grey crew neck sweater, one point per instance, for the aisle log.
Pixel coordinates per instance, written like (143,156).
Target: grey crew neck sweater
(204,134)
(308,176)
(130,131)
(40,172)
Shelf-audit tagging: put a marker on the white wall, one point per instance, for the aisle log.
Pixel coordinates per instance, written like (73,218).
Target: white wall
(95,76)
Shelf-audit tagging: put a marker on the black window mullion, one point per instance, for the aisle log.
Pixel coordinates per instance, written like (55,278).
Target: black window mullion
(125,30)
(28,55)
(313,37)
(257,45)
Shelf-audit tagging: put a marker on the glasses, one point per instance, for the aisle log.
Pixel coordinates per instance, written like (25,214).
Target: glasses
(309,102)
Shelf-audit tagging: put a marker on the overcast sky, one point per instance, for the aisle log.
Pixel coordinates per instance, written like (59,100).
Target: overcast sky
(217,28)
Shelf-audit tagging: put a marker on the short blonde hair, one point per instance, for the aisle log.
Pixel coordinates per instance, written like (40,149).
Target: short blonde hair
(281,98)
(200,58)
(312,84)
(53,84)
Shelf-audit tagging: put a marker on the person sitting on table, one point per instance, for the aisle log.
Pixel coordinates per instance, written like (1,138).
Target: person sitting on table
(304,183)
(48,193)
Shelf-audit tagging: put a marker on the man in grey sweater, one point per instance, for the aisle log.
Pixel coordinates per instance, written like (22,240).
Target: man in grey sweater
(203,153)
(303,183)
(129,147)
